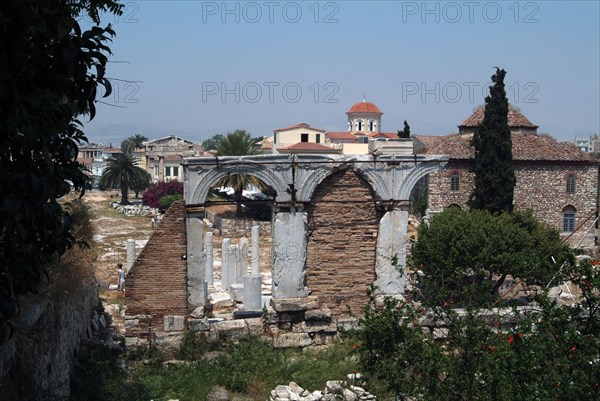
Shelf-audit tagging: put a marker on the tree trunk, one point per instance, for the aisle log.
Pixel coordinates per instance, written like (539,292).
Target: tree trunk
(124,193)
(238,201)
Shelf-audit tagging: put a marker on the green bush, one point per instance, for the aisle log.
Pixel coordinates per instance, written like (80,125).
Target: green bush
(165,201)
(466,256)
(430,351)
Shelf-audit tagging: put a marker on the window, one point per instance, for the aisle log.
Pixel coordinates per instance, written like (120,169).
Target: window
(318,138)
(156,171)
(363,139)
(167,171)
(571,184)
(454,182)
(371,125)
(569,213)
(359,125)
(176,171)
(349,126)
(275,137)
(303,137)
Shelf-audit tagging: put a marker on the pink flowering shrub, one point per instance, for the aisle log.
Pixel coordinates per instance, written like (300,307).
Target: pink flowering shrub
(153,194)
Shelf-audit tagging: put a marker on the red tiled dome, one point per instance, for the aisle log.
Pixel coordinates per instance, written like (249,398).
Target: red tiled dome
(364,107)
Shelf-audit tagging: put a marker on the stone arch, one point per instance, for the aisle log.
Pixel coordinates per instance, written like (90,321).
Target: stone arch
(413,176)
(342,241)
(209,177)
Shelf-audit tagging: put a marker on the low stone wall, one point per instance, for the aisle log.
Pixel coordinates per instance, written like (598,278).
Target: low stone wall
(236,228)
(36,362)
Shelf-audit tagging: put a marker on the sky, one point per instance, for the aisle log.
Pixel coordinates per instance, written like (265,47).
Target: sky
(199,68)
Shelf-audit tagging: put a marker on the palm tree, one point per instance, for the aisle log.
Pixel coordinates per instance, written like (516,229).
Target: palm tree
(238,143)
(133,142)
(123,173)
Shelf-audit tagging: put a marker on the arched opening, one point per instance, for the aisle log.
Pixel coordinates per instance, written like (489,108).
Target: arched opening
(571,184)
(569,219)
(343,225)
(241,196)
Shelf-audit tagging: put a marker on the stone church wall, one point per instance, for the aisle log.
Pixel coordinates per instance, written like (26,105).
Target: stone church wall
(540,187)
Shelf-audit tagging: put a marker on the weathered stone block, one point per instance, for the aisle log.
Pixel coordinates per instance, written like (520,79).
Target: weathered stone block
(232,329)
(173,323)
(198,325)
(347,323)
(288,304)
(318,314)
(292,340)
(255,326)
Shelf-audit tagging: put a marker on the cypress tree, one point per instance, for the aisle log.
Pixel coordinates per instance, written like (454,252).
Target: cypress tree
(492,163)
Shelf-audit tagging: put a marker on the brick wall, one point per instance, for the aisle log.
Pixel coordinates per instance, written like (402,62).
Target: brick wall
(341,243)
(541,186)
(156,284)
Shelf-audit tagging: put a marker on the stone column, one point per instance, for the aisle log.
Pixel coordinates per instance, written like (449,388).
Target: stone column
(226,268)
(235,277)
(252,293)
(391,243)
(289,253)
(255,251)
(195,261)
(161,168)
(130,254)
(242,269)
(209,255)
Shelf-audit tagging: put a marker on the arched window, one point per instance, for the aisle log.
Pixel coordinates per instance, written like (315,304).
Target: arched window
(571,184)
(569,219)
(349,126)
(359,125)
(371,125)
(454,182)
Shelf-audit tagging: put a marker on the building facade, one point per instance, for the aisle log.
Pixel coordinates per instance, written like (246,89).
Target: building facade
(555,180)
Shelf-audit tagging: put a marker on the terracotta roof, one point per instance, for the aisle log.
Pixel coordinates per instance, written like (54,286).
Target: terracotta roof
(299,125)
(516,119)
(310,147)
(393,135)
(342,135)
(526,147)
(112,150)
(364,107)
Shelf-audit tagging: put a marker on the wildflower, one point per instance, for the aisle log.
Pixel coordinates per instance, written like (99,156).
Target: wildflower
(519,335)
(511,339)
(573,349)
(596,262)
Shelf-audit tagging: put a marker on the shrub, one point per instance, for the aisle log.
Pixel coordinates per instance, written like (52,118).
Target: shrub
(165,201)
(466,256)
(153,195)
(550,352)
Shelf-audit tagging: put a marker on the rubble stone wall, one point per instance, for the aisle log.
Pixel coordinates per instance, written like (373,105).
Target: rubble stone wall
(236,228)
(156,284)
(540,187)
(342,242)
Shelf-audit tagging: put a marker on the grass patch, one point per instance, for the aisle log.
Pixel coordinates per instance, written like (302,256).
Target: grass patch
(250,367)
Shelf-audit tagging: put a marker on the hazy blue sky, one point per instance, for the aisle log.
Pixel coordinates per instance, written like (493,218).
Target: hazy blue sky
(207,67)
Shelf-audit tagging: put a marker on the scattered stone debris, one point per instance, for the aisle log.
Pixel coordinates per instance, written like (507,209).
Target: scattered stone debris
(135,210)
(335,390)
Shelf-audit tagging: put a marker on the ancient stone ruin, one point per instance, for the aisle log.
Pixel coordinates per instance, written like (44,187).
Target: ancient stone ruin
(339,224)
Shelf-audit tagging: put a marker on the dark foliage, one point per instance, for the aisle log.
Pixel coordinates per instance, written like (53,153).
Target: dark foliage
(405,133)
(50,72)
(492,164)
